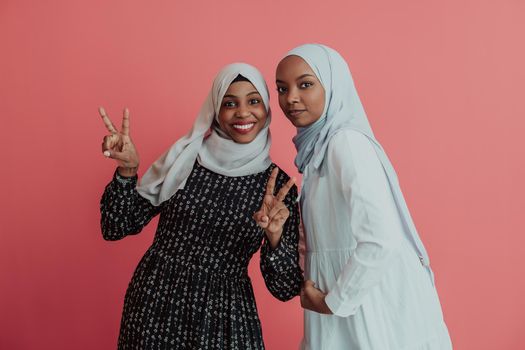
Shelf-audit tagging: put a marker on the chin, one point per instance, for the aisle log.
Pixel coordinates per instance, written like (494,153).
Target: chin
(299,123)
(294,122)
(243,140)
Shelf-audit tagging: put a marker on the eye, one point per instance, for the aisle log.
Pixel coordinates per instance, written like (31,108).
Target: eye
(306,85)
(281,90)
(229,104)
(254,101)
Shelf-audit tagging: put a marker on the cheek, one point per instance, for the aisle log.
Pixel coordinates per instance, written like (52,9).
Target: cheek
(223,117)
(317,101)
(220,117)
(262,115)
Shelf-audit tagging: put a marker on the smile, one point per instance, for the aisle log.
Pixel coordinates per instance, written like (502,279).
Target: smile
(243,128)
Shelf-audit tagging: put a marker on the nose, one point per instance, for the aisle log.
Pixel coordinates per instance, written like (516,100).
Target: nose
(292,96)
(243,111)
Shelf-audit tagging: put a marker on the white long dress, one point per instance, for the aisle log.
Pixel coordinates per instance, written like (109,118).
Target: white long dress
(381,295)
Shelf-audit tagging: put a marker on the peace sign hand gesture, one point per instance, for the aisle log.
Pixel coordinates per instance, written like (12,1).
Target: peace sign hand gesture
(273,213)
(118,145)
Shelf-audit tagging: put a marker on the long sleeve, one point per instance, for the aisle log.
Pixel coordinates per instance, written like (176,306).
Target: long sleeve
(372,215)
(123,211)
(280,266)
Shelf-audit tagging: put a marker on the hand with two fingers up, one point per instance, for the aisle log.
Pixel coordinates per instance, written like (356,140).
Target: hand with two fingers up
(273,212)
(118,145)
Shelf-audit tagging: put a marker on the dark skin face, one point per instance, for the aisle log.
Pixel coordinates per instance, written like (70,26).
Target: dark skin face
(242,114)
(301,94)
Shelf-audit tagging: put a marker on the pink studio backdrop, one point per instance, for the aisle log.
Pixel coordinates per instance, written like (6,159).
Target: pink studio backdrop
(442,82)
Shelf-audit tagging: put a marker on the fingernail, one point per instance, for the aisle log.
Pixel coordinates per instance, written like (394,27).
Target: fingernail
(107,153)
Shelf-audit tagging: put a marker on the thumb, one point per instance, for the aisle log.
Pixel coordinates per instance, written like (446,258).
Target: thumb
(264,222)
(115,155)
(261,219)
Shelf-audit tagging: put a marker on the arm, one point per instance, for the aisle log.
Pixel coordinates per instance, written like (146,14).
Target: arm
(123,211)
(280,266)
(373,220)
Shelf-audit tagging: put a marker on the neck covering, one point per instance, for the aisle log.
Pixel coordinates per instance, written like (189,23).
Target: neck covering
(208,144)
(343,110)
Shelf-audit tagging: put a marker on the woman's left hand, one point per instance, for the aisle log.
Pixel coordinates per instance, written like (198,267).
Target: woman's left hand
(313,299)
(273,213)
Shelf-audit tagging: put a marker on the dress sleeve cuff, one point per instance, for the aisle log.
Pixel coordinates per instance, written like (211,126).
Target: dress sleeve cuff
(338,305)
(130,182)
(276,260)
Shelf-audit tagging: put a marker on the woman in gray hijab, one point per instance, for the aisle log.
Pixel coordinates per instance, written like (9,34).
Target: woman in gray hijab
(215,191)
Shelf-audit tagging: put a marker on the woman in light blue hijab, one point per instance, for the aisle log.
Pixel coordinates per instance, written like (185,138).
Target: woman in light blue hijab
(369,284)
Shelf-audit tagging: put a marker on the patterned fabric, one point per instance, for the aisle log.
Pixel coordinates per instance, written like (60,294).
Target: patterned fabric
(191,289)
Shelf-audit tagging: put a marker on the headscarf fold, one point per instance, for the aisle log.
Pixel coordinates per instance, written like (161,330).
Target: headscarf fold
(343,110)
(206,143)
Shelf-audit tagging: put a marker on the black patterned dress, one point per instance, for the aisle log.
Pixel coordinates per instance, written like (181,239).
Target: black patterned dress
(191,289)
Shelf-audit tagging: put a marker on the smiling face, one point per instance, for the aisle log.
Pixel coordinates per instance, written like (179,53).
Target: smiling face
(301,94)
(242,114)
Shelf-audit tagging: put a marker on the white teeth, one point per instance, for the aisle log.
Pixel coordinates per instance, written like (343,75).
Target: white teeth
(243,127)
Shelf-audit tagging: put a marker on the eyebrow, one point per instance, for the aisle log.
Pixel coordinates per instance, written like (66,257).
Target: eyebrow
(299,78)
(233,96)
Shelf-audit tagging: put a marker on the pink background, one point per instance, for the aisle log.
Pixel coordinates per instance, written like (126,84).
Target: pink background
(442,82)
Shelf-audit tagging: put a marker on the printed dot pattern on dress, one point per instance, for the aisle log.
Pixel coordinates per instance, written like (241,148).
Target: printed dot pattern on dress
(191,289)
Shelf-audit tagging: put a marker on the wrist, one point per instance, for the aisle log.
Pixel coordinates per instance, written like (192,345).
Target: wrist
(274,239)
(128,171)
(325,308)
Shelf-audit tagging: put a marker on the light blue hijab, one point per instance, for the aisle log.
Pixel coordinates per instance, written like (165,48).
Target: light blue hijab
(343,110)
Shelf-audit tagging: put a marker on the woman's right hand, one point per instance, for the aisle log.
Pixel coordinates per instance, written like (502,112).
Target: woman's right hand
(118,145)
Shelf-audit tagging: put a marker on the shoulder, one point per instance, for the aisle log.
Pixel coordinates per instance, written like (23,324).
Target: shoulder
(349,139)
(350,145)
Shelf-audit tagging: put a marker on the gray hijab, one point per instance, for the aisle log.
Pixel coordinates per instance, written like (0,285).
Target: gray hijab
(343,110)
(206,143)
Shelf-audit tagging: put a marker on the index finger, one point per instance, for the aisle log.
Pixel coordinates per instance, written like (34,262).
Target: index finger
(285,189)
(125,122)
(109,125)
(270,186)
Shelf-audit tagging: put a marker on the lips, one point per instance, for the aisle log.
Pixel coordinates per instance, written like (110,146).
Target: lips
(295,112)
(243,128)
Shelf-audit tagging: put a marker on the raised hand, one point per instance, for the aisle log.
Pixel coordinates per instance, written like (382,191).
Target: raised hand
(312,298)
(118,145)
(273,213)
